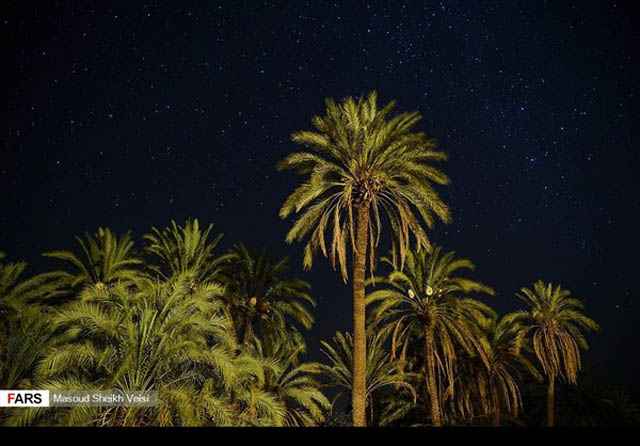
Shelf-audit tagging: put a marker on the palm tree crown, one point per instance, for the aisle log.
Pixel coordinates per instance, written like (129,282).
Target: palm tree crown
(106,259)
(183,249)
(556,320)
(259,296)
(493,386)
(361,158)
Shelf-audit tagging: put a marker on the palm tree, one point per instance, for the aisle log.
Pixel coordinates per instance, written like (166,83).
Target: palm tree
(23,322)
(495,384)
(165,337)
(364,169)
(428,302)
(556,321)
(626,412)
(106,259)
(184,249)
(382,370)
(260,297)
(293,383)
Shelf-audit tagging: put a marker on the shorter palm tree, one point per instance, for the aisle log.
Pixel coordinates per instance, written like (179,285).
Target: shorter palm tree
(494,384)
(105,259)
(293,384)
(184,250)
(556,321)
(382,370)
(427,301)
(626,412)
(262,300)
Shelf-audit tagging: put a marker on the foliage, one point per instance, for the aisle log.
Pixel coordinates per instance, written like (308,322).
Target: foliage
(361,154)
(382,370)
(555,319)
(427,302)
(262,301)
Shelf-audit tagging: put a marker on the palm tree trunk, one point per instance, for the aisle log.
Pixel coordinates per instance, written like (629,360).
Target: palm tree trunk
(248,332)
(359,391)
(550,396)
(495,403)
(430,372)
(495,419)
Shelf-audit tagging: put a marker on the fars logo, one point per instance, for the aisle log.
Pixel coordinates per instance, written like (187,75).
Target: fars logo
(24,398)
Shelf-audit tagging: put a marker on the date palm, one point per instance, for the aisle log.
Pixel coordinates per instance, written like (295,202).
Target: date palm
(260,298)
(166,337)
(382,370)
(428,301)
(16,294)
(293,383)
(366,169)
(556,322)
(183,250)
(494,384)
(105,260)
(23,321)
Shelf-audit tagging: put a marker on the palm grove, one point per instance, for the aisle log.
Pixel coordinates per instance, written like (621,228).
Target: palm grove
(220,335)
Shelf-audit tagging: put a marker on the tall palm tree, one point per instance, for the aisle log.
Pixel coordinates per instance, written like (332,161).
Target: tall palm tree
(184,249)
(366,169)
(556,321)
(427,301)
(382,370)
(259,297)
(105,259)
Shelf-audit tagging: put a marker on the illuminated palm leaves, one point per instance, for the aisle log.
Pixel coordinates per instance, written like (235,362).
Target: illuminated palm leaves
(105,259)
(363,156)
(383,371)
(428,294)
(493,385)
(157,337)
(428,301)
(556,322)
(23,323)
(183,249)
(293,384)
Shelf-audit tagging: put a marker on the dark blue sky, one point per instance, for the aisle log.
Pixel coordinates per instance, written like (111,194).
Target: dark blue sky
(130,114)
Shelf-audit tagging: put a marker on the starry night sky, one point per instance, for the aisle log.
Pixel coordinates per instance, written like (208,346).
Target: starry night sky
(130,114)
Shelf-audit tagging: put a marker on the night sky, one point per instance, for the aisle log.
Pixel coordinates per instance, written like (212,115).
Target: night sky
(130,114)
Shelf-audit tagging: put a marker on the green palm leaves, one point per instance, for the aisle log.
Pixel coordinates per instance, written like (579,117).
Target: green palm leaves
(366,170)
(172,330)
(556,323)
(429,302)
(363,157)
(154,337)
(105,259)
(294,383)
(181,249)
(383,371)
